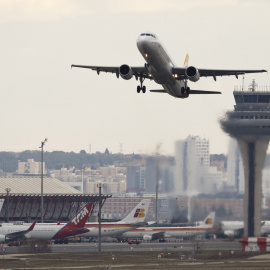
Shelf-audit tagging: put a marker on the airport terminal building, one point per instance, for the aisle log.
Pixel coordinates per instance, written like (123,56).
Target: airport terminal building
(60,201)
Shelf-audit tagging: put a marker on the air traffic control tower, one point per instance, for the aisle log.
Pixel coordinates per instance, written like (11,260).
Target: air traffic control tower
(249,124)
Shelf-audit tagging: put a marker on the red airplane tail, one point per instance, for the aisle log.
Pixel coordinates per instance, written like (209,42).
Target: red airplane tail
(81,217)
(76,224)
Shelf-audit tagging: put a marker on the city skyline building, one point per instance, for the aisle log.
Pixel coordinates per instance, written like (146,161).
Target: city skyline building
(192,161)
(30,167)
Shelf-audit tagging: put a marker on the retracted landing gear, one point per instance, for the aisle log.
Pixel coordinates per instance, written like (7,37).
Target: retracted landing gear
(141,87)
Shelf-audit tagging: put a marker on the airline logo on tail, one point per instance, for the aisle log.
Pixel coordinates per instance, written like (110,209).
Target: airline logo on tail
(84,212)
(139,213)
(186,61)
(209,221)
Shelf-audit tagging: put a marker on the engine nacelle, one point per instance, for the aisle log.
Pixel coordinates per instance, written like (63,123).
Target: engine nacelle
(193,74)
(2,238)
(147,237)
(229,233)
(125,72)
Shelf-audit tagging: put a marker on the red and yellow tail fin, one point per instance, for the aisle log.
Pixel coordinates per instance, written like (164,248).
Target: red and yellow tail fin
(186,61)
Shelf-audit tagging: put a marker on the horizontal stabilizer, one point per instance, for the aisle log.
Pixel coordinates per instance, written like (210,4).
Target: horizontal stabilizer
(203,92)
(158,91)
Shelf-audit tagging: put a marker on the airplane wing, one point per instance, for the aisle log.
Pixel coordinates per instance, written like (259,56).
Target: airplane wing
(20,234)
(137,71)
(158,235)
(180,72)
(193,92)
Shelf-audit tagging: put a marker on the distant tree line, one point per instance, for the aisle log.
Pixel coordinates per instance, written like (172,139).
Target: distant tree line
(59,159)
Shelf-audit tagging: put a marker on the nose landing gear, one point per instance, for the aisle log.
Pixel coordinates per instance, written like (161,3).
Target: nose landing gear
(185,90)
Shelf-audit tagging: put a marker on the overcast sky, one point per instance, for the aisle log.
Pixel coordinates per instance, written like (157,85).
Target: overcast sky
(41,96)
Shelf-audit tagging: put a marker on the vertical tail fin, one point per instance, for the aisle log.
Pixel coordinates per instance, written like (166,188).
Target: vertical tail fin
(138,214)
(1,203)
(80,218)
(186,61)
(209,220)
(76,224)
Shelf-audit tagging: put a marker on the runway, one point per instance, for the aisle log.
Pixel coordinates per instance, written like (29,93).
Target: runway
(151,246)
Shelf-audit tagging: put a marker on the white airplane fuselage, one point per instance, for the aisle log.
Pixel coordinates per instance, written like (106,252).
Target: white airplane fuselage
(160,65)
(44,232)
(107,229)
(176,232)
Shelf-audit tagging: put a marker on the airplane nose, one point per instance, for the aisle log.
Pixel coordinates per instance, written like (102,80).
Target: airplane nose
(139,41)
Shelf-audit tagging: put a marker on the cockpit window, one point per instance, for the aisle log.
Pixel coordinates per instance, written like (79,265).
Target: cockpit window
(147,34)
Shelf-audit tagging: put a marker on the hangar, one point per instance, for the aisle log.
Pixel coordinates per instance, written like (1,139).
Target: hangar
(60,201)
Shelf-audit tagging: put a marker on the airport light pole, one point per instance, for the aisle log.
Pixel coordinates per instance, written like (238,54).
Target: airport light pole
(157,180)
(82,188)
(41,196)
(99,185)
(8,190)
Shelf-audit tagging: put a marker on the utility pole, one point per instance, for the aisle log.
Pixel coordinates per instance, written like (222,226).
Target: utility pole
(99,185)
(8,190)
(41,195)
(157,179)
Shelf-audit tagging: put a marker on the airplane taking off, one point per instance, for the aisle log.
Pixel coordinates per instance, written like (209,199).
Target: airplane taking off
(161,69)
(154,233)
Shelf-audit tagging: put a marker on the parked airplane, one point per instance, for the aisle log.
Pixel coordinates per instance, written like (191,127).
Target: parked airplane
(133,220)
(58,231)
(161,69)
(153,233)
(236,228)
(10,231)
(1,204)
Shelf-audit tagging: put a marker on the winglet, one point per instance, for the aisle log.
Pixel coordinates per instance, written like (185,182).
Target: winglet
(186,61)
(32,226)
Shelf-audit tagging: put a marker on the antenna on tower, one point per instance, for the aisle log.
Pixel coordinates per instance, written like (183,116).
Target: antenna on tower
(243,83)
(253,86)
(121,148)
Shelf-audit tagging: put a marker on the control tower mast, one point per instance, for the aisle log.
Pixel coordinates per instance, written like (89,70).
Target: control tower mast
(249,124)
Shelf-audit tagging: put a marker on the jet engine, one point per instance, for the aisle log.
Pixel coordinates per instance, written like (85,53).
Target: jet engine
(125,72)
(193,74)
(229,233)
(2,238)
(147,237)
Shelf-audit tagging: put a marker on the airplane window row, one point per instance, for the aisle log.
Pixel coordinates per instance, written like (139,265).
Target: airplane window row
(146,34)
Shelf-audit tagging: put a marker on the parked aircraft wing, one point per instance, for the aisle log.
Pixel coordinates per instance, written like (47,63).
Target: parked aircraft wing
(20,234)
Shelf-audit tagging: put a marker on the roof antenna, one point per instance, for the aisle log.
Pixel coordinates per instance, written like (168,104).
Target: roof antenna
(243,83)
